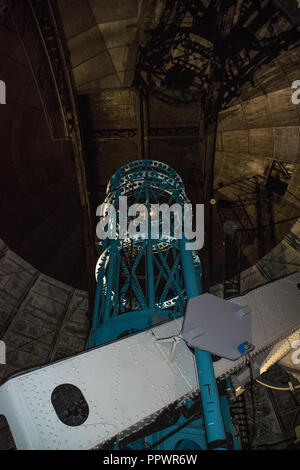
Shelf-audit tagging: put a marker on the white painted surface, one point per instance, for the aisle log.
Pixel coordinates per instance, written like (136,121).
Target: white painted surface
(128,381)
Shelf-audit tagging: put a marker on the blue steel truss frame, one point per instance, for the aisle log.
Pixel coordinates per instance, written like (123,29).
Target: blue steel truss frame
(142,281)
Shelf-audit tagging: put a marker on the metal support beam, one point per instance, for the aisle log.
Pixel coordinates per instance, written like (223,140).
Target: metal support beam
(213,419)
(207,145)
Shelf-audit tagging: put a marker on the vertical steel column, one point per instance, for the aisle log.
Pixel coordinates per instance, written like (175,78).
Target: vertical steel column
(150,275)
(109,281)
(149,258)
(213,419)
(97,303)
(228,423)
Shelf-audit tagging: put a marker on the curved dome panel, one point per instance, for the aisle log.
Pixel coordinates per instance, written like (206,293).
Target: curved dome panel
(39,201)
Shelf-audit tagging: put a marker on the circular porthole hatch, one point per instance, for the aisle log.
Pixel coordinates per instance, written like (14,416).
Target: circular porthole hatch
(70,405)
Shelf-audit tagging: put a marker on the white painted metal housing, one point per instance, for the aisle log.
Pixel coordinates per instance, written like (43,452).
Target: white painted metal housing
(127,382)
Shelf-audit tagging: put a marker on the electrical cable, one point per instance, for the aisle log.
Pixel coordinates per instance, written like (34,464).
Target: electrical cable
(290,388)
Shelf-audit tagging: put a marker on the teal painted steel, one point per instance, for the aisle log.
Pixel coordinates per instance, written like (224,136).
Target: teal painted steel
(144,281)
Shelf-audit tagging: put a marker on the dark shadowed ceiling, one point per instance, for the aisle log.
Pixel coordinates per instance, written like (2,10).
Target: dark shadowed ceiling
(40,210)
(41,214)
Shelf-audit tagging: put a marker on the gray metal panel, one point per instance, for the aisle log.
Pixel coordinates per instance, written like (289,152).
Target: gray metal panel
(216,325)
(276,313)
